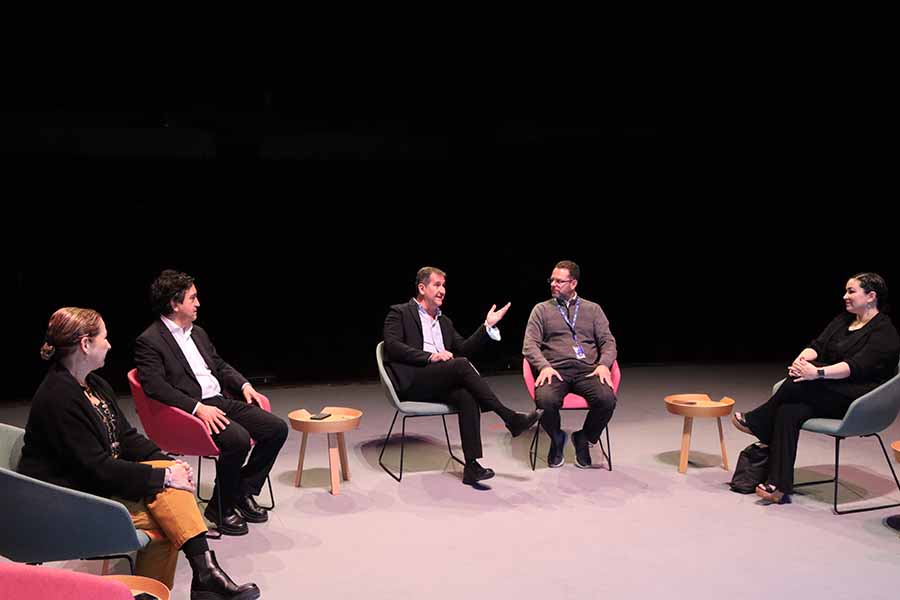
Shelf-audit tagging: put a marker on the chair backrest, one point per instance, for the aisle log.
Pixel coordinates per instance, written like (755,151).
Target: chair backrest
(171,428)
(615,374)
(874,411)
(11,441)
(43,522)
(386,383)
(26,581)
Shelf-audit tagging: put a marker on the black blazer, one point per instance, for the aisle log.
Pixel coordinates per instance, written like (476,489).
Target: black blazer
(67,444)
(403,342)
(166,375)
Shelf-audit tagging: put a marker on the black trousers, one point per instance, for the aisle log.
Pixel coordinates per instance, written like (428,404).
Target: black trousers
(600,398)
(234,479)
(778,422)
(456,382)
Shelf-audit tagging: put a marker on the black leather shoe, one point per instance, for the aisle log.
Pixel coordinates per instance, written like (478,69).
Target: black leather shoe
(251,511)
(210,582)
(522,422)
(582,450)
(231,523)
(473,473)
(556,457)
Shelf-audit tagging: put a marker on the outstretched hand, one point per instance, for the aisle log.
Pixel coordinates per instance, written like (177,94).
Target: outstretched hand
(494,315)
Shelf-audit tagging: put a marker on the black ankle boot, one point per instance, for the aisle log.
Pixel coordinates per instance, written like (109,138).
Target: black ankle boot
(210,582)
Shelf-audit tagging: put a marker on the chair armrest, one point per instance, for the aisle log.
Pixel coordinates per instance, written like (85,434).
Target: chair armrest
(42,522)
(24,581)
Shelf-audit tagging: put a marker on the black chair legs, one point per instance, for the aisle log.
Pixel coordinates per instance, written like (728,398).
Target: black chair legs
(399,477)
(835,480)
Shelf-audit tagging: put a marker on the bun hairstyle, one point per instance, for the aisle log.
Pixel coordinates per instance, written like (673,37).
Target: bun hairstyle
(66,329)
(873,282)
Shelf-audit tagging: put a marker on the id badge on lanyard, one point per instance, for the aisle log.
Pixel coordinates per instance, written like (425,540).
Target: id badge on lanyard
(576,347)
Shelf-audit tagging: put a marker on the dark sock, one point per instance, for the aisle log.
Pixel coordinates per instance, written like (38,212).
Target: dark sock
(195,546)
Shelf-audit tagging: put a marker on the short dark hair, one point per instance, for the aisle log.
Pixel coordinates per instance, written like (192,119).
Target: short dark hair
(873,282)
(170,285)
(574,270)
(424,275)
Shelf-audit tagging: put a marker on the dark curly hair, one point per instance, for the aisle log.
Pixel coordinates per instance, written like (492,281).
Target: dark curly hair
(170,285)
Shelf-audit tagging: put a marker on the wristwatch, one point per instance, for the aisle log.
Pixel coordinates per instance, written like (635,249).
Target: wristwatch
(821,373)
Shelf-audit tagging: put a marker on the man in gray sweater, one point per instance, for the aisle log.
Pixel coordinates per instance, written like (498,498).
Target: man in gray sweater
(569,345)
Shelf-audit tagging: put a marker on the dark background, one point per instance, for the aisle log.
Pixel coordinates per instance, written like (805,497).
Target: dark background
(706,235)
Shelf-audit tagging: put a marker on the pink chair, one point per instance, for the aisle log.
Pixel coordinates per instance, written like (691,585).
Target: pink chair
(570,402)
(181,433)
(47,583)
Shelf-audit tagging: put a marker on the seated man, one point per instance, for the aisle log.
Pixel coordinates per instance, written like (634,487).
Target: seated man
(424,356)
(179,366)
(569,344)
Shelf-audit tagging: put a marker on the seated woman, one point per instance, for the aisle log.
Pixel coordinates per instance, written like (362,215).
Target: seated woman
(856,353)
(77,437)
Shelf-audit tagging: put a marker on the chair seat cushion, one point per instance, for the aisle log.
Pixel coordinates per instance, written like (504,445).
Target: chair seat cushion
(425,409)
(574,401)
(826,426)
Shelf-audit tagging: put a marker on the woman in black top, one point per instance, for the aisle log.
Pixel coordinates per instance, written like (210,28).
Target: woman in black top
(77,437)
(857,352)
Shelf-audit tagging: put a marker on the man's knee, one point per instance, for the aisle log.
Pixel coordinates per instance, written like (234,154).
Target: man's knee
(281,431)
(462,366)
(547,399)
(233,439)
(276,429)
(600,396)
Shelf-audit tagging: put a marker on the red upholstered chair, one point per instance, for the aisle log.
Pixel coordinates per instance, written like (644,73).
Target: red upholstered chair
(178,432)
(570,402)
(47,583)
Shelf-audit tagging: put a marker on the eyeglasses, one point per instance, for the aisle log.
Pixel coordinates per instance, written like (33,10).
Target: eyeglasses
(552,280)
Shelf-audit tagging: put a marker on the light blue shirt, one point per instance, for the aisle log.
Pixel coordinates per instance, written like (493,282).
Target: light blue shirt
(433,337)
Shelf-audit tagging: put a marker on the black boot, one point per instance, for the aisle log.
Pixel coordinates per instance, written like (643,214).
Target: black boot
(210,582)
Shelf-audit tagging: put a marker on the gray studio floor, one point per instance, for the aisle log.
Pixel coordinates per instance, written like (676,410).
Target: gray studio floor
(640,531)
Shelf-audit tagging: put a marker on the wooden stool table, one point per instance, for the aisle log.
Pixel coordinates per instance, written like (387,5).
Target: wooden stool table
(341,420)
(698,405)
(138,584)
(894,521)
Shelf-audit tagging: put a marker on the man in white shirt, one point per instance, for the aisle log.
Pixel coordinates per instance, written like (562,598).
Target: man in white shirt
(179,366)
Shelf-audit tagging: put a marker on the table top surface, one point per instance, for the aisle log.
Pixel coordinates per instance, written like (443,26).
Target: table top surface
(138,584)
(341,419)
(698,405)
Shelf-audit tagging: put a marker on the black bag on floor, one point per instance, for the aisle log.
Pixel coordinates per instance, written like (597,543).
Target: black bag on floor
(751,470)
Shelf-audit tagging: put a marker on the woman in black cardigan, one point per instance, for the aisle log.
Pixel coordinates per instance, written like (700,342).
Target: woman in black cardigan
(856,353)
(77,437)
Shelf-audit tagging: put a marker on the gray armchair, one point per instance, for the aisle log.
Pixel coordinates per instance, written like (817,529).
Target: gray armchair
(408,410)
(42,522)
(867,416)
